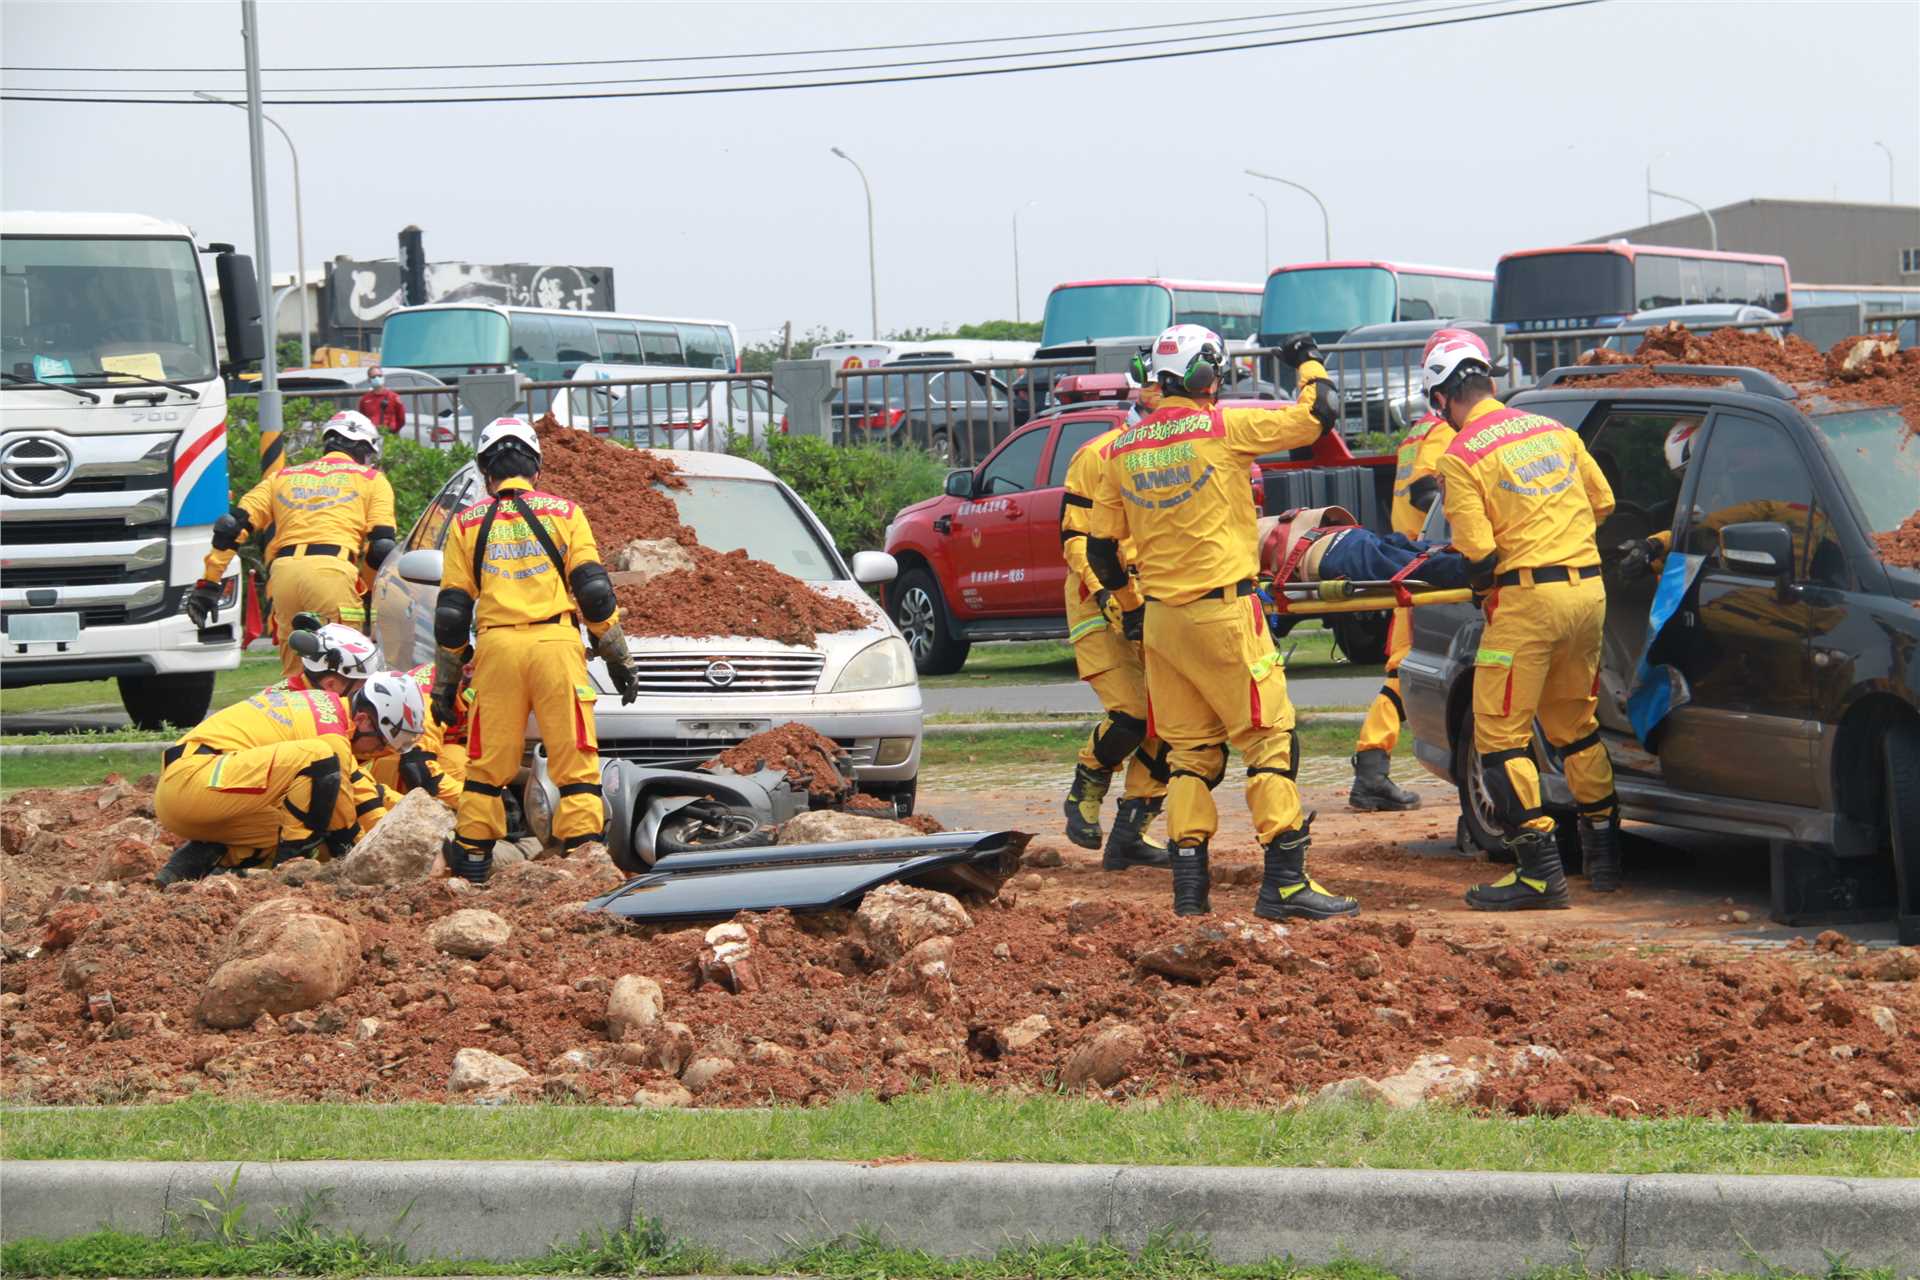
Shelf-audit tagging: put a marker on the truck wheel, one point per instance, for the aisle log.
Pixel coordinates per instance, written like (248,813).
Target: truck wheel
(1903,823)
(1362,637)
(154,702)
(941,448)
(707,826)
(921,614)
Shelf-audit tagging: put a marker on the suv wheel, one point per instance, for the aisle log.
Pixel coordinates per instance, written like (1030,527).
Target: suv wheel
(941,448)
(1903,822)
(921,614)
(160,702)
(1361,637)
(1476,810)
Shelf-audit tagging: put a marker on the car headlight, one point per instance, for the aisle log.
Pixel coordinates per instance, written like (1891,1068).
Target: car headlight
(882,665)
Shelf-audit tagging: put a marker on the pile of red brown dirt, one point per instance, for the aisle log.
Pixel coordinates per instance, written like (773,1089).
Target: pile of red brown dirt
(1901,547)
(1028,995)
(725,594)
(810,760)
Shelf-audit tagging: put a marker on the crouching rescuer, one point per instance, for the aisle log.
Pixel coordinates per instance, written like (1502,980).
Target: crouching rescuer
(521,573)
(281,776)
(1523,497)
(1175,484)
(1104,628)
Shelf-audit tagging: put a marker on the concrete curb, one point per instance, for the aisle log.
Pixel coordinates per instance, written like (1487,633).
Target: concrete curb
(83,748)
(1087,722)
(1425,1225)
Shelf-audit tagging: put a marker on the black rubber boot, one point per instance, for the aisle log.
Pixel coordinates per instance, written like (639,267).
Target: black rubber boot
(470,864)
(1191,880)
(1287,892)
(1600,845)
(1373,791)
(194,860)
(1129,845)
(1084,798)
(1536,883)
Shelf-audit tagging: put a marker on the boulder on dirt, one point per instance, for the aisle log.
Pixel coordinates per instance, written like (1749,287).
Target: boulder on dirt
(826,826)
(634,1004)
(128,859)
(726,959)
(63,924)
(1105,1059)
(404,846)
(1204,951)
(470,933)
(702,1073)
(1899,965)
(666,1046)
(1023,1034)
(283,957)
(478,1069)
(644,559)
(662,1096)
(895,918)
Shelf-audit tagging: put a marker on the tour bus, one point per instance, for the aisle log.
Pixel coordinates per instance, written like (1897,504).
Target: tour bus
(549,345)
(1081,312)
(1874,300)
(874,353)
(1328,298)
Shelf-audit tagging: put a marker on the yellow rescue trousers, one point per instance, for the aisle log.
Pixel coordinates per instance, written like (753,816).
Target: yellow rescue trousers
(252,800)
(449,760)
(1214,678)
(1540,657)
(326,585)
(1380,731)
(1114,668)
(539,667)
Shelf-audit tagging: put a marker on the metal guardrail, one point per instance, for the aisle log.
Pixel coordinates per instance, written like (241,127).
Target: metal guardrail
(669,411)
(958,411)
(1904,325)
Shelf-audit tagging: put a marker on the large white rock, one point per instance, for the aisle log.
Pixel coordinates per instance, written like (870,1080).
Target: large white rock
(829,826)
(470,933)
(282,957)
(404,846)
(478,1069)
(634,1003)
(896,918)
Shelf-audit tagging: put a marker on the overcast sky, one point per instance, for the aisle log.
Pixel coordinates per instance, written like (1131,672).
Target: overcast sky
(1445,146)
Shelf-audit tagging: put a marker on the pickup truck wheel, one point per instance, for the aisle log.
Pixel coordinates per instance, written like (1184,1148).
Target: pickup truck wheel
(921,614)
(1362,637)
(154,702)
(941,447)
(1903,823)
(1476,807)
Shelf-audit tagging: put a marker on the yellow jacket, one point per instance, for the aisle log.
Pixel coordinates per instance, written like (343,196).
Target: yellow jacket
(1418,457)
(518,581)
(1522,491)
(331,501)
(1176,482)
(278,715)
(1076,515)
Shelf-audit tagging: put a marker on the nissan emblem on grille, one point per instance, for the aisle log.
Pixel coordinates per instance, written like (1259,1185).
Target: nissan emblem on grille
(720,673)
(35,464)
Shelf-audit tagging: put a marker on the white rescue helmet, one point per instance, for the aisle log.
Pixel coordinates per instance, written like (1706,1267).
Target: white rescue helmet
(399,712)
(343,652)
(1183,351)
(502,430)
(1679,445)
(354,427)
(1446,355)
(1447,335)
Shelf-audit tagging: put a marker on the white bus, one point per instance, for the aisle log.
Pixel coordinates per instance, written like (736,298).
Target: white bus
(451,339)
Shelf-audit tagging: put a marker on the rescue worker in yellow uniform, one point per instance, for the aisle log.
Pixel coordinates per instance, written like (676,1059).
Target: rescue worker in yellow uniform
(522,573)
(1174,483)
(1416,487)
(437,763)
(322,520)
(1523,497)
(280,776)
(1109,660)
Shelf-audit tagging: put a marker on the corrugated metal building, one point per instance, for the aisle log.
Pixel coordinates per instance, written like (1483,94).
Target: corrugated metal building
(1823,241)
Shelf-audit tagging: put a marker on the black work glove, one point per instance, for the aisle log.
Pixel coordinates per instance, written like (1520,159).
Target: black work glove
(1298,348)
(1109,608)
(203,602)
(443,702)
(1326,405)
(1636,556)
(1133,623)
(611,647)
(414,774)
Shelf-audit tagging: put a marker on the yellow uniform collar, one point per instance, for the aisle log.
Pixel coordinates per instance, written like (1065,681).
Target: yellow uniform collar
(511,485)
(1485,407)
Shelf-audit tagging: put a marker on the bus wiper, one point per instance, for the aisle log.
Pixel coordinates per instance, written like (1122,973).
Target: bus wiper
(181,387)
(17,380)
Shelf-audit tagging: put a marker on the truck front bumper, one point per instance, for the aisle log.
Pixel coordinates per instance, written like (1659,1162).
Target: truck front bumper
(170,646)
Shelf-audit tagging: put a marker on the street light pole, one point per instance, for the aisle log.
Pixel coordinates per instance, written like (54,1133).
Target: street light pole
(1713,230)
(272,449)
(1016,257)
(873,276)
(299,230)
(1889,150)
(1266,235)
(1326,224)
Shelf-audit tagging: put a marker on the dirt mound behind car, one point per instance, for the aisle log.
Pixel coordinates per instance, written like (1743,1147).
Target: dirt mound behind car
(1901,546)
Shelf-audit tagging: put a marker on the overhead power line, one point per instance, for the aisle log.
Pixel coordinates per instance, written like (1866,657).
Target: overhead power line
(1400,5)
(972,73)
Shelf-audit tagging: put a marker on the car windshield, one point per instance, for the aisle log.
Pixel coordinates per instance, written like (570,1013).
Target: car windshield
(449,340)
(74,308)
(754,516)
(1880,456)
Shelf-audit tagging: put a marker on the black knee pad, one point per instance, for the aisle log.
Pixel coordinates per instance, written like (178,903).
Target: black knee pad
(1292,771)
(323,794)
(1118,738)
(1155,762)
(1506,801)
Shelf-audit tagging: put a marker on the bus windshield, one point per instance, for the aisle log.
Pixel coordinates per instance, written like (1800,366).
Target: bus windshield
(1087,312)
(1326,301)
(77,311)
(452,339)
(1589,287)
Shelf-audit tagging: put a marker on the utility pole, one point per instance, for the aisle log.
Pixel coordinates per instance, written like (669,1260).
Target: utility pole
(1326,223)
(272,448)
(873,275)
(1713,229)
(786,341)
(299,230)
(1016,257)
(1889,150)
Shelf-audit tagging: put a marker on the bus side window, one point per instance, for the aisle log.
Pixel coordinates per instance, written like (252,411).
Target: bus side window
(574,341)
(532,339)
(619,344)
(660,344)
(705,345)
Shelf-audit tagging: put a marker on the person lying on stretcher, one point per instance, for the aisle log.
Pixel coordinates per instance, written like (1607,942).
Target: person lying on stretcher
(1320,544)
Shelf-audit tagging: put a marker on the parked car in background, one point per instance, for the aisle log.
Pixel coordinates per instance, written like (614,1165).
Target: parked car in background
(958,416)
(702,695)
(431,418)
(701,415)
(873,354)
(1382,390)
(1698,317)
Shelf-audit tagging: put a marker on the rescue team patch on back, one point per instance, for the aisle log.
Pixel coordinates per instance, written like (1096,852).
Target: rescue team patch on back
(1497,430)
(1157,453)
(331,466)
(545,504)
(1168,427)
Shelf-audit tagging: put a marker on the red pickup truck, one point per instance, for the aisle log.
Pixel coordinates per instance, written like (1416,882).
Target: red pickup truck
(982,561)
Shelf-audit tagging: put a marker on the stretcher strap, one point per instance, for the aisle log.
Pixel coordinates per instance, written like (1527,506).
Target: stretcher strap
(1401,596)
(1298,550)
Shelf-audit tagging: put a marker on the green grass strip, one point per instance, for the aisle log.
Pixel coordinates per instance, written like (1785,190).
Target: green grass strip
(957,1124)
(78,769)
(1052,746)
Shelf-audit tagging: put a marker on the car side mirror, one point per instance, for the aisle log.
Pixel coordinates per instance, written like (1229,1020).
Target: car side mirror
(870,567)
(1761,548)
(960,484)
(421,566)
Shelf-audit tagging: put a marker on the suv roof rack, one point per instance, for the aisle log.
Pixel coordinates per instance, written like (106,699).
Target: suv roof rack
(1757,381)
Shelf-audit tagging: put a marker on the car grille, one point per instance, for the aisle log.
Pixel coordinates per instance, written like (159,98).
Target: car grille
(677,751)
(692,674)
